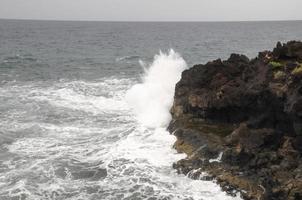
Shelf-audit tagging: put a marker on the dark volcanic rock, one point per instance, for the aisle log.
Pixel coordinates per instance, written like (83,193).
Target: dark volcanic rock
(249,110)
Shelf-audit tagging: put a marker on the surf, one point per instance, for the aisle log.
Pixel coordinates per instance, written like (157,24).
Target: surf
(152,99)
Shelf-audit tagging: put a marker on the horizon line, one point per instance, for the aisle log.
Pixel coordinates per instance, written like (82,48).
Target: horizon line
(163,21)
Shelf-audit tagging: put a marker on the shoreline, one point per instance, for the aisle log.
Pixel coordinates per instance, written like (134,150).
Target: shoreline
(246,112)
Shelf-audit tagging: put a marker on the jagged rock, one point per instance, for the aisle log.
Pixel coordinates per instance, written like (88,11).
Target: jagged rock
(251,111)
(290,50)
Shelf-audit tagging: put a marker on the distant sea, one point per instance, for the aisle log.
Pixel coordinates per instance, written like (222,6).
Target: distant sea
(84,106)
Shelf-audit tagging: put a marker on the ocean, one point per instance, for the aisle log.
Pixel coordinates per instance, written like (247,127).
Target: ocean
(84,106)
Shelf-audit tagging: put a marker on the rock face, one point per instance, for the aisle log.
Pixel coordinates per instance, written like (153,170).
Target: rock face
(240,121)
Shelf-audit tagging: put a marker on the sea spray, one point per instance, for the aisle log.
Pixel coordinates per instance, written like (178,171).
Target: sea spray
(148,146)
(152,99)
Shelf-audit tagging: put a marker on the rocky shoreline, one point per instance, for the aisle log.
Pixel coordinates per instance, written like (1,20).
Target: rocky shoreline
(240,122)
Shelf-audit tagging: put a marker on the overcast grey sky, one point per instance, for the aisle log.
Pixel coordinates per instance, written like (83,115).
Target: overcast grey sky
(152,10)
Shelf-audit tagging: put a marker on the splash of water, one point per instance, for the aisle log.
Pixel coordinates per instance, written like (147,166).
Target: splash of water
(152,99)
(81,142)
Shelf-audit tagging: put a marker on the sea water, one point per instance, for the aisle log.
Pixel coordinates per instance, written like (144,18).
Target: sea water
(84,106)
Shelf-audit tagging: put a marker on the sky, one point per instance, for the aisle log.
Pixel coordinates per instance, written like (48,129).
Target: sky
(152,10)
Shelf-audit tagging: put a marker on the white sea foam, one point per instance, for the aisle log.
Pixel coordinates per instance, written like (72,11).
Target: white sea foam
(152,99)
(89,97)
(99,133)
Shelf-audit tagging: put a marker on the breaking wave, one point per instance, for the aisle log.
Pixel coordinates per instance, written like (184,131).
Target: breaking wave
(152,99)
(78,139)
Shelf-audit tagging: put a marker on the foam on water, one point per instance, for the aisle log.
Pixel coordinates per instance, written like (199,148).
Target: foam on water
(84,96)
(80,140)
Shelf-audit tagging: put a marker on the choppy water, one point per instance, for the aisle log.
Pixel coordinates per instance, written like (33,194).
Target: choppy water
(81,119)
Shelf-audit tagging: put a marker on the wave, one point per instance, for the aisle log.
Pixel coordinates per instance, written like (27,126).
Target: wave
(152,99)
(150,144)
(80,140)
(103,96)
(134,57)
(19,58)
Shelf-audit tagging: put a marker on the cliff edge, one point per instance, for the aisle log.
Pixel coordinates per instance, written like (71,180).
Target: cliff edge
(240,122)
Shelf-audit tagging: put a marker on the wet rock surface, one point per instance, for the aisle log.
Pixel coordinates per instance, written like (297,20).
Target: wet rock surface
(240,122)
